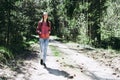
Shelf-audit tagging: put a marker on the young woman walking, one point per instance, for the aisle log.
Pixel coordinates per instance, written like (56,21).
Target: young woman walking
(44,30)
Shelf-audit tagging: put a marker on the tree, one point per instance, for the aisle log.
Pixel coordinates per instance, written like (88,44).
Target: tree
(95,14)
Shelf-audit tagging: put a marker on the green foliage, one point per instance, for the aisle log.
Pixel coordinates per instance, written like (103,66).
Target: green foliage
(5,54)
(111,24)
(18,21)
(111,42)
(56,52)
(83,21)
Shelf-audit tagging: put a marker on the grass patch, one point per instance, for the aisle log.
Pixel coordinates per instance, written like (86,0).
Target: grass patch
(55,51)
(5,54)
(3,78)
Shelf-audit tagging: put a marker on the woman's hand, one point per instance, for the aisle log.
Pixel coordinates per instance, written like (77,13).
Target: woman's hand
(39,32)
(49,32)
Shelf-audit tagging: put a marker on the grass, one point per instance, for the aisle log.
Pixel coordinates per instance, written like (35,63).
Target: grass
(6,53)
(55,51)
(3,78)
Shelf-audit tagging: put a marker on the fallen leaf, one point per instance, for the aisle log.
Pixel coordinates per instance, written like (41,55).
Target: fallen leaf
(57,60)
(118,75)
(82,71)
(71,77)
(116,69)
(74,74)
(114,73)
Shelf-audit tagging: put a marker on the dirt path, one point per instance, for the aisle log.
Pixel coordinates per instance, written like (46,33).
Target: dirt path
(70,65)
(30,69)
(90,67)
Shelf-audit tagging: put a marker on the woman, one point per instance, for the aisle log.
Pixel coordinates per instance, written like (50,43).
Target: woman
(44,30)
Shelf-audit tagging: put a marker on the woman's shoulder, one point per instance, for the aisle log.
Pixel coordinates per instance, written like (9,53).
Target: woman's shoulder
(40,21)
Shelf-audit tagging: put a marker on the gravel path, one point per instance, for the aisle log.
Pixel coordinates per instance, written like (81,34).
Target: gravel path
(89,66)
(30,69)
(70,65)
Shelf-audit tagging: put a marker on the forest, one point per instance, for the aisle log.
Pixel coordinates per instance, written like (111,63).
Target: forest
(88,22)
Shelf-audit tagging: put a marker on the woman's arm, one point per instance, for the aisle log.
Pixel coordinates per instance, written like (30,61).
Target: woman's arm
(38,30)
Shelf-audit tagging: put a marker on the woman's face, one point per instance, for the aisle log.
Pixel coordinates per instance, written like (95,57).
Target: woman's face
(45,16)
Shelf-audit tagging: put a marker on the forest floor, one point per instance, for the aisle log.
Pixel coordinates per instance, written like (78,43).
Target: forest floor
(65,61)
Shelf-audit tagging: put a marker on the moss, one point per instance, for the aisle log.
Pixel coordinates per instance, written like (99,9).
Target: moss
(55,51)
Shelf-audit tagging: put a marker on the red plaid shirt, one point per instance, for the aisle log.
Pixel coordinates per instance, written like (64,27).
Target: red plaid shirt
(43,29)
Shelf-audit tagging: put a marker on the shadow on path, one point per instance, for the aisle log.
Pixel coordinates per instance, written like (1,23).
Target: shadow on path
(18,65)
(28,55)
(57,72)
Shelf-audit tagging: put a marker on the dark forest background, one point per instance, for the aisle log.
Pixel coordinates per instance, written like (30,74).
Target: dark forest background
(89,22)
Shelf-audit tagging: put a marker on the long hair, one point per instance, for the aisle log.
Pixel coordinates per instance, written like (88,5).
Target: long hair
(48,24)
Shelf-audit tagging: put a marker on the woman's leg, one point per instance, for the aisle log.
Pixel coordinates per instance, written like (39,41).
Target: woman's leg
(41,49)
(46,41)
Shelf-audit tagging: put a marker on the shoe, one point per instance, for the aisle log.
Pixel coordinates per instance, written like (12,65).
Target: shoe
(44,65)
(41,62)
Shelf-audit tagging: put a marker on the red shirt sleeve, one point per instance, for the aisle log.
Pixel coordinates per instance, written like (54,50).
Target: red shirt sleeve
(38,30)
(49,26)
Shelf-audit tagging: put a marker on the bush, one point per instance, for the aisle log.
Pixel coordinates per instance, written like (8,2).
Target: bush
(5,54)
(113,42)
